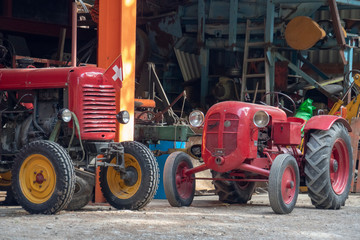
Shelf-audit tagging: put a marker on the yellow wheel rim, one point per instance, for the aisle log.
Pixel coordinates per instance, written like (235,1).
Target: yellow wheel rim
(117,186)
(37,178)
(5,179)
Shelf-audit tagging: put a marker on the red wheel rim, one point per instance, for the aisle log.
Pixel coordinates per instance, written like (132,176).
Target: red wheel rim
(184,184)
(339,166)
(288,185)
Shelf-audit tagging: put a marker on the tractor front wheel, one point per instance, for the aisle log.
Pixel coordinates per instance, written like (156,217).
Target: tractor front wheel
(179,188)
(284,183)
(43,177)
(328,167)
(139,188)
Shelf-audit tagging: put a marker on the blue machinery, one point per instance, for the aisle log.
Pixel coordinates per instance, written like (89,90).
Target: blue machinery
(271,11)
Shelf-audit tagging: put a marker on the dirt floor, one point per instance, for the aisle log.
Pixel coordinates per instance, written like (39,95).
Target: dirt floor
(207,218)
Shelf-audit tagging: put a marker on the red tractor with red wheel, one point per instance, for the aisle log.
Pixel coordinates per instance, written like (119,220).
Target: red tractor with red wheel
(245,143)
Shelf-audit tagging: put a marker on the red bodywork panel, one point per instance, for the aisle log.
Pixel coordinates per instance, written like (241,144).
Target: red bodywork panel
(289,132)
(91,96)
(34,78)
(230,135)
(324,122)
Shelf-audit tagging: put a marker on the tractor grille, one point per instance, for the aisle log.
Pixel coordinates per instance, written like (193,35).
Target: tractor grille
(231,124)
(222,132)
(99,110)
(212,132)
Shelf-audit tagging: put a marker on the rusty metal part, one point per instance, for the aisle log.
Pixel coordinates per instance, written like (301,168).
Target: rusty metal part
(340,37)
(159,115)
(355,125)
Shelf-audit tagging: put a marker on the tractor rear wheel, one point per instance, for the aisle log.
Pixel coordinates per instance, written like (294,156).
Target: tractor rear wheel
(328,167)
(137,191)
(179,188)
(43,177)
(284,181)
(232,191)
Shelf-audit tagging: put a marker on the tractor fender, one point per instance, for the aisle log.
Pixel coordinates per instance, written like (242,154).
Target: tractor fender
(324,122)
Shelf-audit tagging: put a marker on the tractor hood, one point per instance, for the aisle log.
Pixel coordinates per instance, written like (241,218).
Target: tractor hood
(42,78)
(246,111)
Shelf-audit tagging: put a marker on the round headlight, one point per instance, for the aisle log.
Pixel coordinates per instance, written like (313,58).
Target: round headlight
(196,118)
(261,119)
(123,117)
(64,115)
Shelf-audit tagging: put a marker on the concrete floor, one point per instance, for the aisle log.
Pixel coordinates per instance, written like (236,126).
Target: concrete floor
(206,218)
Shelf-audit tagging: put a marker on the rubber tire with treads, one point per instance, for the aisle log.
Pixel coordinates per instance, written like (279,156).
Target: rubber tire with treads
(63,168)
(317,167)
(82,195)
(284,165)
(232,191)
(179,189)
(149,180)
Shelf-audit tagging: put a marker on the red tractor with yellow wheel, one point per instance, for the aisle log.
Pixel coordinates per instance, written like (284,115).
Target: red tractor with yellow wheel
(57,127)
(245,143)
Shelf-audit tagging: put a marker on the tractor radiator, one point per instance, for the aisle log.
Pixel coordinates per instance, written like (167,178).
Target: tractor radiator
(98,110)
(221,132)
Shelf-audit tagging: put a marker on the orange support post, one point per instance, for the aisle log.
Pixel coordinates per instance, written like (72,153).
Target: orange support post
(117,35)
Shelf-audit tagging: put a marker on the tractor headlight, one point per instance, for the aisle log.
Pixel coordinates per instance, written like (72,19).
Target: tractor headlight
(196,118)
(64,115)
(261,119)
(123,117)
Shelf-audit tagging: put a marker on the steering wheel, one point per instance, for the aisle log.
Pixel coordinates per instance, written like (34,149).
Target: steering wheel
(279,102)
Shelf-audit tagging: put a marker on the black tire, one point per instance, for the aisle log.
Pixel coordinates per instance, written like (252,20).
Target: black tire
(320,170)
(284,182)
(178,193)
(83,194)
(43,177)
(232,191)
(133,196)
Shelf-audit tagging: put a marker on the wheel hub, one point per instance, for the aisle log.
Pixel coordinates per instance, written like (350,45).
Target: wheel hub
(40,178)
(334,165)
(131,176)
(290,184)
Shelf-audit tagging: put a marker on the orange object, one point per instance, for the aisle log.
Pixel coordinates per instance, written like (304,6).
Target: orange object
(145,103)
(117,35)
(343,111)
(99,197)
(302,33)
